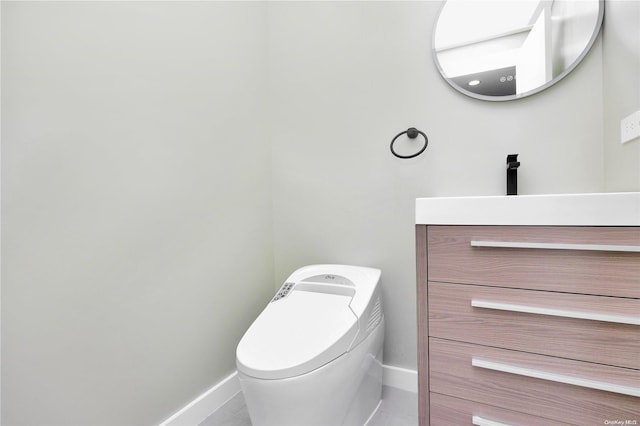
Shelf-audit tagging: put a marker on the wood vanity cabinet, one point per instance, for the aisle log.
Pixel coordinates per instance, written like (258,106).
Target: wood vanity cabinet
(528,325)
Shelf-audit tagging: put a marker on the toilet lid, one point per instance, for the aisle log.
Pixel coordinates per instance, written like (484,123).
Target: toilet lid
(297,334)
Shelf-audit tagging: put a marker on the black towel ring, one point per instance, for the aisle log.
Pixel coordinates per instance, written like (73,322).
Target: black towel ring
(412,133)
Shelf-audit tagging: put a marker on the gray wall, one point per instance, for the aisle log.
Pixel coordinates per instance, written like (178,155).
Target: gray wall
(621,81)
(136,205)
(151,151)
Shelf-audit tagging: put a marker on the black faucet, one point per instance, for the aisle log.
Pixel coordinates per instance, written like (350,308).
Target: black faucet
(512,174)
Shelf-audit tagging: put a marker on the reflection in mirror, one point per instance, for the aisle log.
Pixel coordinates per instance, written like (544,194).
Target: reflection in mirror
(507,49)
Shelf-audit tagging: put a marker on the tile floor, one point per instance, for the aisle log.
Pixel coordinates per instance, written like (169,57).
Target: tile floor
(398,408)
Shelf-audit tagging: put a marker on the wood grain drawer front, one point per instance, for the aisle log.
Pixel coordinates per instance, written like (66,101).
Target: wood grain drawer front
(588,328)
(448,411)
(584,260)
(564,390)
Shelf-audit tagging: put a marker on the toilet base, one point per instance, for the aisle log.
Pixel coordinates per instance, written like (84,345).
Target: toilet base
(346,391)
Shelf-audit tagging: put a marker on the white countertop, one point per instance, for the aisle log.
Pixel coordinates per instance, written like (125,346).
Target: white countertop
(606,209)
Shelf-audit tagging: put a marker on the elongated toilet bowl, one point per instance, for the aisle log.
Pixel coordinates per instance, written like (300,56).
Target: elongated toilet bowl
(313,357)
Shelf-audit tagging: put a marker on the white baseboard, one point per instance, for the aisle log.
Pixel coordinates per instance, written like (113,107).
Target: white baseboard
(203,406)
(401,378)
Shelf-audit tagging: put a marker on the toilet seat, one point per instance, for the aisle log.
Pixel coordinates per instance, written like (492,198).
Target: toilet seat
(297,334)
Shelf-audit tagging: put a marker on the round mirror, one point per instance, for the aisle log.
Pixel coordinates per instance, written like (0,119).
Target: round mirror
(499,50)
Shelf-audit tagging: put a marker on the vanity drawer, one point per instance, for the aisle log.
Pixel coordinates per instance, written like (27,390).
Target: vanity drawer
(447,411)
(589,328)
(584,260)
(564,390)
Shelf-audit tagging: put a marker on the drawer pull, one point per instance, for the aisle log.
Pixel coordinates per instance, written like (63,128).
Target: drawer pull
(479,421)
(556,246)
(554,377)
(620,319)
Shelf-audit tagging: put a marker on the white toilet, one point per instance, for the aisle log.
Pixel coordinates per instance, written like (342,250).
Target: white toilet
(313,357)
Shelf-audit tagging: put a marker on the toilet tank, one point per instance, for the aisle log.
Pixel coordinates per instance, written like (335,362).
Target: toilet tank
(359,282)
